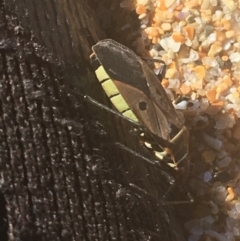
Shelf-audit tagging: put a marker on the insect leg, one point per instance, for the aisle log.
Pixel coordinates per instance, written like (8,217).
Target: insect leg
(162,201)
(165,202)
(156,163)
(93,101)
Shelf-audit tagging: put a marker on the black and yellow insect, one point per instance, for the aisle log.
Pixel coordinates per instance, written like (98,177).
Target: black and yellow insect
(137,94)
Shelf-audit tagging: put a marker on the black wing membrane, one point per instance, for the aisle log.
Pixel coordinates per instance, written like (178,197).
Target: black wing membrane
(124,68)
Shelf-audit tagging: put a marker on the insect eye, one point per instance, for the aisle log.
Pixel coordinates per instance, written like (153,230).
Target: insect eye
(142,105)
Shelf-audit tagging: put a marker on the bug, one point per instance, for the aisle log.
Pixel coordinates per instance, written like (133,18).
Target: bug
(138,96)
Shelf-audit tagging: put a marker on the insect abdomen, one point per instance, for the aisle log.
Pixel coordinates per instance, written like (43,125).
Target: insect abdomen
(113,94)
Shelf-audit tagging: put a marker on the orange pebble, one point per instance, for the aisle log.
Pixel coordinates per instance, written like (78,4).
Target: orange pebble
(177,37)
(185,89)
(162,16)
(215,49)
(231,194)
(165,83)
(140,9)
(221,89)
(217,24)
(226,24)
(179,7)
(190,31)
(162,5)
(191,4)
(171,73)
(201,54)
(154,40)
(225,58)
(200,71)
(230,34)
(218,104)
(220,35)
(152,31)
(211,95)
(227,80)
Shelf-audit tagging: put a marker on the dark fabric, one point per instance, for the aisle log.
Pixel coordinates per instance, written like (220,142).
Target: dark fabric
(55,185)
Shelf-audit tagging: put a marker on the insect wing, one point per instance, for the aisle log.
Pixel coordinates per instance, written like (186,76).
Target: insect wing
(160,97)
(124,67)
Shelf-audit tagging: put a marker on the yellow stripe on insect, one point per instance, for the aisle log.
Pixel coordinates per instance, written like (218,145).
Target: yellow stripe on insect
(123,107)
(101,74)
(129,114)
(111,90)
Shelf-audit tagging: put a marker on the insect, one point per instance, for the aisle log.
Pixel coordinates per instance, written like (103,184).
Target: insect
(137,94)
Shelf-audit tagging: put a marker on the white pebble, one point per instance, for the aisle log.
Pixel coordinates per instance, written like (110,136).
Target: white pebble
(209,219)
(234,57)
(209,40)
(191,223)
(237,191)
(214,3)
(217,236)
(220,193)
(224,121)
(174,83)
(237,206)
(236,231)
(221,154)
(229,235)
(142,2)
(195,104)
(207,176)
(212,142)
(224,162)
(226,44)
(142,16)
(169,43)
(144,20)
(233,99)
(194,237)
(185,60)
(188,42)
(233,213)
(181,105)
(214,208)
(231,222)
(193,55)
(209,61)
(204,103)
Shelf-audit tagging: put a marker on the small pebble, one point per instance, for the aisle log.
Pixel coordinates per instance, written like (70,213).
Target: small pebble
(207,176)
(230,195)
(171,73)
(212,142)
(224,162)
(166,26)
(211,95)
(185,89)
(236,132)
(208,156)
